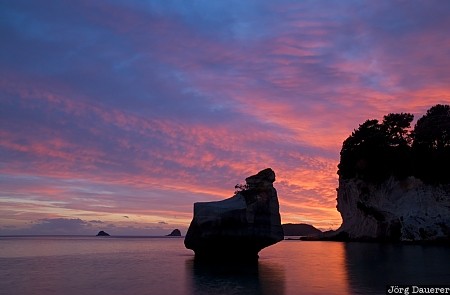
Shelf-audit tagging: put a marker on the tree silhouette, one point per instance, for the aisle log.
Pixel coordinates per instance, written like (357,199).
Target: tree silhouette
(376,151)
(239,188)
(361,151)
(397,152)
(396,128)
(431,146)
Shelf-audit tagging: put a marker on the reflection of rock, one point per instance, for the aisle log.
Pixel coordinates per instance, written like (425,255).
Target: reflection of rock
(102,234)
(175,233)
(372,266)
(252,278)
(406,210)
(238,227)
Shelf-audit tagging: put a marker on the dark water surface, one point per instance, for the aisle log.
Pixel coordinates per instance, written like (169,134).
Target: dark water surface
(90,265)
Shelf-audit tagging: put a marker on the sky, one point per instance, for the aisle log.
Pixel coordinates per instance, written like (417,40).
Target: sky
(119,115)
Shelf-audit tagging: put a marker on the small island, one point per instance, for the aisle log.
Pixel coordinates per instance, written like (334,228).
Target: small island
(175,233)
(102,234)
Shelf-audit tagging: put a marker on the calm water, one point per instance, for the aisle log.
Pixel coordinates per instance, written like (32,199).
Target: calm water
(89,265)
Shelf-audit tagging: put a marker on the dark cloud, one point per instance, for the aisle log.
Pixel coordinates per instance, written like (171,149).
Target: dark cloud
(59,226)
(76,226)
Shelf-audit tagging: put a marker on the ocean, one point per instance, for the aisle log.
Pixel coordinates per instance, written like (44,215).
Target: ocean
(157,266)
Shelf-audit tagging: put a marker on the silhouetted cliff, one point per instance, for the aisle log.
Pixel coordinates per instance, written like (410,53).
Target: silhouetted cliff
(394,184)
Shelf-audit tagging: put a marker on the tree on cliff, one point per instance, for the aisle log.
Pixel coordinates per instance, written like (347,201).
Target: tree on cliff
(398,151)
(431,146)
(395,127)
(376,151)
(361,150)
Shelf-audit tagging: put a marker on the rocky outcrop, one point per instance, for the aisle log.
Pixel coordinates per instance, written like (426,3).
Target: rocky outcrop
(238,227)
(175,233)
(406,210)
(102,234)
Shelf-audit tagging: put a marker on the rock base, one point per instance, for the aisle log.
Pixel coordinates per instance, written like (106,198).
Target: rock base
(394,211)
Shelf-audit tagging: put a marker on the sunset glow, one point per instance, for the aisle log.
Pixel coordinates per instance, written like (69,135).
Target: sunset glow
(120,115)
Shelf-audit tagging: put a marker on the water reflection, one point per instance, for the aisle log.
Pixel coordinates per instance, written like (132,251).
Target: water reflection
(254,278)
(370,267)
(311,267)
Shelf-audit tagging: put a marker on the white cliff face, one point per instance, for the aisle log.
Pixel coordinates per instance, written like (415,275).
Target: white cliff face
(406,210)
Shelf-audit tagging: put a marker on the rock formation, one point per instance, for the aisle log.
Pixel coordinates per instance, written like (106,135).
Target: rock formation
(240,226)
(395,210)
(102,234)
(394,183)
(175,233)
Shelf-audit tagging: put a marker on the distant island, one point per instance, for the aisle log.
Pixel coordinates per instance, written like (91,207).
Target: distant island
(394,183)
(102,234)
(301,229)
(175,233)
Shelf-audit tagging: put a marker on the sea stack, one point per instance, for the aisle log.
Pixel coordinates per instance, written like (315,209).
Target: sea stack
(237,228)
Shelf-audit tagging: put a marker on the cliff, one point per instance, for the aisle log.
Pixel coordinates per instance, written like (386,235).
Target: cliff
(394,182)
(394,210)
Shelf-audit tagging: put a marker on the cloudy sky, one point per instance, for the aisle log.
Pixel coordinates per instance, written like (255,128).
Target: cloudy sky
(119,115)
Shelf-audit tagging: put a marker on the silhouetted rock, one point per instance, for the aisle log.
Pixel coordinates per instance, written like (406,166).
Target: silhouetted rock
(395,210)
(238,227)
(175,233)
(102,234)
(301,229)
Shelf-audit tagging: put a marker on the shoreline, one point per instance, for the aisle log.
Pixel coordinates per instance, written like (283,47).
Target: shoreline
(367,240)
